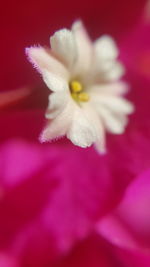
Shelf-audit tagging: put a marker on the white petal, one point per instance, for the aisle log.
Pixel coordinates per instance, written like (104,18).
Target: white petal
(85,128)
(113,103)
(116,88)
(58,126)
(53,130)
(107,71)
(55,82)
(112,110)
(81,132)
(106,67)
(57,103)
(115,72)
(98,127)
(112,122)
(105,48)
(54,73)
(64,46)
(84,49)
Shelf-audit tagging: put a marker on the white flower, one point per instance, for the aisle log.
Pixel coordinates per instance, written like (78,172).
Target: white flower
(86,98)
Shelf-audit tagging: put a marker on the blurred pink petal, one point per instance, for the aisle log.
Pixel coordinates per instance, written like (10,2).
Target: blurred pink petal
(7,260)
(134,210)
(133,258)
(92,252)
(114,230)
(56,193)
(129,224)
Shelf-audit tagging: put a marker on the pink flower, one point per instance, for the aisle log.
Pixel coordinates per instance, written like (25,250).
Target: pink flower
(59,210)
(50,198)
(127,227)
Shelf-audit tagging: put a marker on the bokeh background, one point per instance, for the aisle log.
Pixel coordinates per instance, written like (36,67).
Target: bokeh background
(25,23)
(62,206)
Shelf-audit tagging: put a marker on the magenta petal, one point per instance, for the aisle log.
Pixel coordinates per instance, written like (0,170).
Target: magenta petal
(92,252)
(132,258)
(84,193)
(23,162)
(134,210)
(114,230)
(129,225)
(6,260)
(51,193)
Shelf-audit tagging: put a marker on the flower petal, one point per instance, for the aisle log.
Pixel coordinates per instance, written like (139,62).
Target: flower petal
(84,49)
(83,131)
(105,65)
(54,73)
(57,102)
(110,71)
(115,72)
(133,257)
(91,252)
(134,209)
(105,48)
(58,126)
(112,122)
(112,111)
(115,88)
(7,260)
(98,127)
(114,230)
(128,225)
(55,82)
(64,46)
(113,103)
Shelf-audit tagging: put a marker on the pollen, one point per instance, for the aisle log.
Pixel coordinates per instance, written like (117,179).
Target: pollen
(76,87)
(77,92)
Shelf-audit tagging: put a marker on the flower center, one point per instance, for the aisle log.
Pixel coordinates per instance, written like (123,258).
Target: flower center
(77,92)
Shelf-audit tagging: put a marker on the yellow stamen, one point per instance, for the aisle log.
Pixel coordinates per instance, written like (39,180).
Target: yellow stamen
(77,92)
(83,97)
(76,87)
